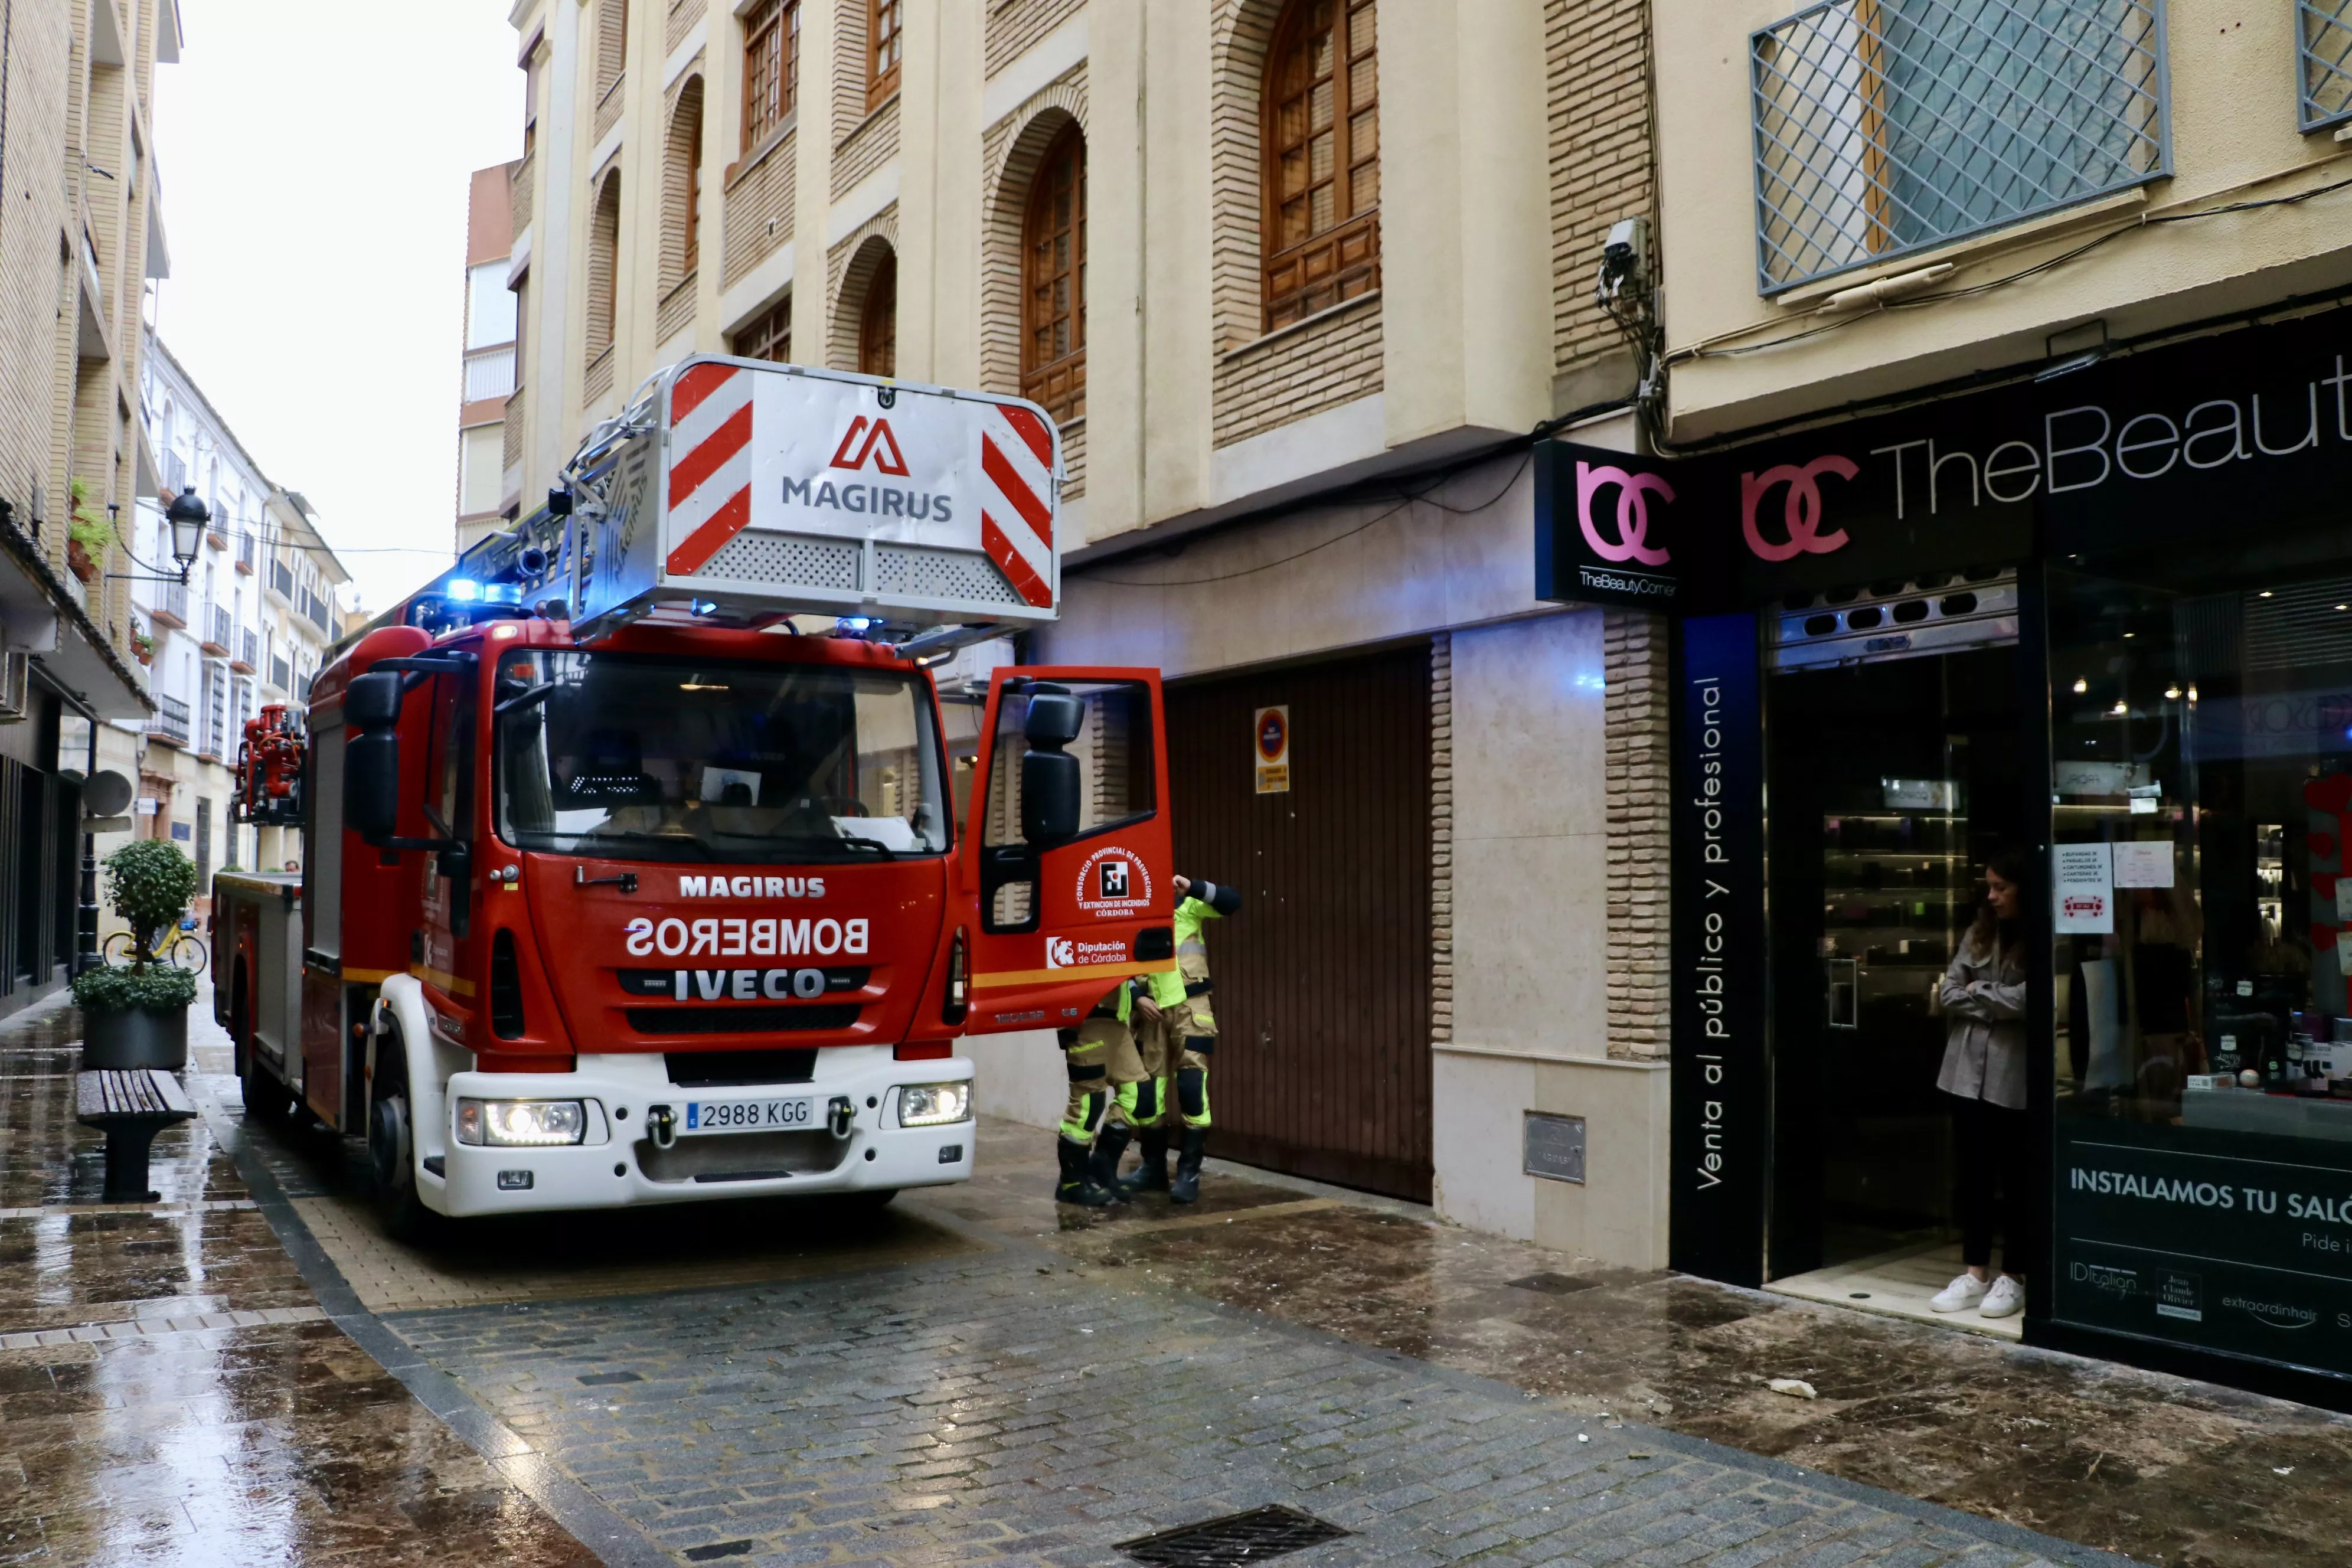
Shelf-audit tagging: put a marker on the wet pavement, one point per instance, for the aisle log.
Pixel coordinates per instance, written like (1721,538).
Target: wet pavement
(171,1390)
(248,1370)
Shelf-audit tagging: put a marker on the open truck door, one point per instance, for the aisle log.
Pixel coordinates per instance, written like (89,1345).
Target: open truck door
(1066,846)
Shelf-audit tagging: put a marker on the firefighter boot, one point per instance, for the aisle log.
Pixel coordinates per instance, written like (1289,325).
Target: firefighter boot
(1075,1185)
(1102,1170)
(1152,1176)
(1186,1187)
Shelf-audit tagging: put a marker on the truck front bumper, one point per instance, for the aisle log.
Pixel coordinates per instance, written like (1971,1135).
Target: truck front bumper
(852,1142)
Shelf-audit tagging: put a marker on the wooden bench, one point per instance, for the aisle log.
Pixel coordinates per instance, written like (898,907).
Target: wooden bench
(130,1106)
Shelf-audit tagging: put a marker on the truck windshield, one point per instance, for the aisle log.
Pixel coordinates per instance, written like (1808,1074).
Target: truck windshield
(640,757)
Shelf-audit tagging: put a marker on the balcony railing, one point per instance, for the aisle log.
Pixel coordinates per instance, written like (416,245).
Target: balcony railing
(282,675)
(2324,43)
(248,650)
(217,642)
(1884,127)
(170,725)
(320,611)
(244,552)
(281,581)
(173,609)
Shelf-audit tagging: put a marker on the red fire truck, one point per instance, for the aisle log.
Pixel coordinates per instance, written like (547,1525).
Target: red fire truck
(644,859)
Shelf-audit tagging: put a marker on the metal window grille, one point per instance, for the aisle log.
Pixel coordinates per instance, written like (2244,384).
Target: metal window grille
(1887,126)
(2324,63)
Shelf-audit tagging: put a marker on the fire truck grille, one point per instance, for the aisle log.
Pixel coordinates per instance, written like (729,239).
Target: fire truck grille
(743,1156)
(760,557)
(939,574)
(737,1070)
(740,1020)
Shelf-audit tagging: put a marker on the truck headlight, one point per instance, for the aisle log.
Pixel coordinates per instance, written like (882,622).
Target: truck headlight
(934,1104)
(521,1124)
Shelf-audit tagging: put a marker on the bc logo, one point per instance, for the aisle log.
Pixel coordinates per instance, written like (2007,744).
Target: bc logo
(1801,510)
(1633,512)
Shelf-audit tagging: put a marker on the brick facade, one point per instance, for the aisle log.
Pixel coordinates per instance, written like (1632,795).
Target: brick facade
(611,51)
(1014,24)
(848,268)
(682,141)
(873,143)
(758,217)
(1009,152)
(1603,168)
(1639,784)
(1317,363)
(683,15)
(1440,839)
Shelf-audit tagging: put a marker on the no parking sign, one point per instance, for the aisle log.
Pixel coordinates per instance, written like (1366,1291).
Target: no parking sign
(1272,739)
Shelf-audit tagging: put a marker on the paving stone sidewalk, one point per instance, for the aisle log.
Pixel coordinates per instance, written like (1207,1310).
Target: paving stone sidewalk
(1015,1408)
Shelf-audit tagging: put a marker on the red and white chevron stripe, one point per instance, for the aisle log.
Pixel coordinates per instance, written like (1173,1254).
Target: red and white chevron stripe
(709,462)
(1016,520)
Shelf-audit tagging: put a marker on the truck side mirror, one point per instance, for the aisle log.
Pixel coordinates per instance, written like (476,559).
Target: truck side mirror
(1053,720)
(371,701)
(371,783)
(1049,797)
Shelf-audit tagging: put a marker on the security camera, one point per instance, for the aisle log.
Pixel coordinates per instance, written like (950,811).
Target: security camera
(1624,256)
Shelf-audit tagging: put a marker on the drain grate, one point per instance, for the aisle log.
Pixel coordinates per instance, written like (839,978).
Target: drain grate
(1235,1540)
(1555,1284)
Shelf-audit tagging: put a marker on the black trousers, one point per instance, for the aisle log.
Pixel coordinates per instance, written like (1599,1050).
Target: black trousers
(1992,1184)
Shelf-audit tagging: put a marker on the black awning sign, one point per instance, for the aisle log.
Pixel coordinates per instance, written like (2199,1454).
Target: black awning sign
(1606,530)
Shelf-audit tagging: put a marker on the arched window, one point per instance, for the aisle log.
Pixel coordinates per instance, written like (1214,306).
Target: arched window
(1322,146)
(1053,280)
(877,323)
(604,264)
(682,192)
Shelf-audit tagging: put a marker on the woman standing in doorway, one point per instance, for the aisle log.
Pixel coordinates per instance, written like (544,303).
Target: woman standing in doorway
(1983,995)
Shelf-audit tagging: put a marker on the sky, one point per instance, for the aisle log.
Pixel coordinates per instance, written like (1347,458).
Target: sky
(314,157)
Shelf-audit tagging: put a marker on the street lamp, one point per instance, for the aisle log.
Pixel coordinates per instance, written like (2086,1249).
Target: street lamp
(187,516)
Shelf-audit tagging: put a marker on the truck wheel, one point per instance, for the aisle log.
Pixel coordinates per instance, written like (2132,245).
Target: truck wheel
(391,1150)
(267,1098)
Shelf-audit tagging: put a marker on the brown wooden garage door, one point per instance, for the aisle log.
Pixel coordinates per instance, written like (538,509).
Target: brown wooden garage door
(1322,1066)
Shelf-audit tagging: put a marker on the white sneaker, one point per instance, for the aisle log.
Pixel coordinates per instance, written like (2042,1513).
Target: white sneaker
(2005,1299)
(1960,1295)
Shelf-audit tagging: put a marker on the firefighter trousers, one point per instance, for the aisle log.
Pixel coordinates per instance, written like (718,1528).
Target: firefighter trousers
(1173,1051)
(1106,1077)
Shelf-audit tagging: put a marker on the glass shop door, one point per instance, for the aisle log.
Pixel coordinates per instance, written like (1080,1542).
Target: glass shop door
(1890,783)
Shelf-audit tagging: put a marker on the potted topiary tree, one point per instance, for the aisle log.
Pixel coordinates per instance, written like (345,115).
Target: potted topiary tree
(136,1015)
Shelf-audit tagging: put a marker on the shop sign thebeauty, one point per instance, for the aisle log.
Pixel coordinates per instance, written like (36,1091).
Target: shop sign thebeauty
(2170,444)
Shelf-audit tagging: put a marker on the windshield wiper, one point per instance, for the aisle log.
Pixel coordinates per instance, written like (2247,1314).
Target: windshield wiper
(874,843)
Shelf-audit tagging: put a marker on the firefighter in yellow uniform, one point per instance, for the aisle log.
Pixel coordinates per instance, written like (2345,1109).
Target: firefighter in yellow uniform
(1178,1034)
(1105,1073)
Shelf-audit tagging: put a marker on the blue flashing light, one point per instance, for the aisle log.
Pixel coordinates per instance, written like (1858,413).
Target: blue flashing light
(502,593)
(857,623)
(465,590)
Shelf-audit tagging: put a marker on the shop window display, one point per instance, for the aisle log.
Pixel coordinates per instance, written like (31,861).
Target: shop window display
(2200,799)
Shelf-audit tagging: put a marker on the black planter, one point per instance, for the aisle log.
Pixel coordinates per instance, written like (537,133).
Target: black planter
(134,1037)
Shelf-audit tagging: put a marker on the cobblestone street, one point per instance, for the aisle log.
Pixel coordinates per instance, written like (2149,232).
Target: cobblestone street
(1037,1412)
(973,1375)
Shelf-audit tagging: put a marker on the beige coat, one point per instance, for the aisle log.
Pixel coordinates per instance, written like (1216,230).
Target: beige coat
(1984,999)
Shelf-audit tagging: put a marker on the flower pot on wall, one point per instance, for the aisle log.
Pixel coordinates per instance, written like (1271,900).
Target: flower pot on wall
(134,1037)
(78,559)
